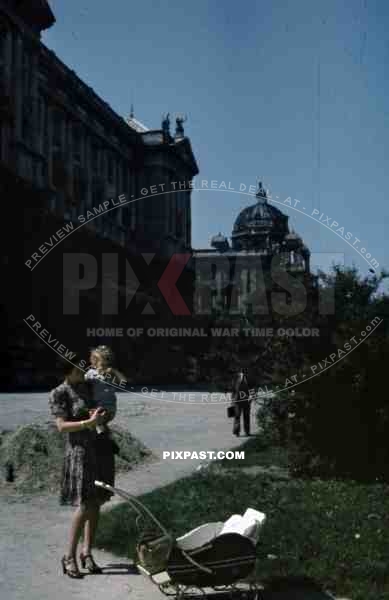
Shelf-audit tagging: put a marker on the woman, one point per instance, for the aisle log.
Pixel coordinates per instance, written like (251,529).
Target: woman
(70,404)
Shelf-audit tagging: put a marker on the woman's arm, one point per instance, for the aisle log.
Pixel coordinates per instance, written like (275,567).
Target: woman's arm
(73,426)
(115,374)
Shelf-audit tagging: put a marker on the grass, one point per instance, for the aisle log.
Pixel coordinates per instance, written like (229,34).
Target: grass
(332,531)
(257,452)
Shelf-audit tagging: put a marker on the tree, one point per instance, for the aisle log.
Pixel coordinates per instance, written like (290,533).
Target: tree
(341,416)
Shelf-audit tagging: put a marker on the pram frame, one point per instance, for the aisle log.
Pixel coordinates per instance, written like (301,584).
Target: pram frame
(168,586)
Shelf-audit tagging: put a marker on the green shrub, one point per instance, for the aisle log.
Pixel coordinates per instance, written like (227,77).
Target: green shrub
(36,453)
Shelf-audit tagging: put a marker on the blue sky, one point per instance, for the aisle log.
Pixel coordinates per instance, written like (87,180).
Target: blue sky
(295,92)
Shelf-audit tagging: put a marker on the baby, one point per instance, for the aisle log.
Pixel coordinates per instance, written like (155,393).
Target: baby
(99,375)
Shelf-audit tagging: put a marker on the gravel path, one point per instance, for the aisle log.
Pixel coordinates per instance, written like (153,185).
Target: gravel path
(34,531)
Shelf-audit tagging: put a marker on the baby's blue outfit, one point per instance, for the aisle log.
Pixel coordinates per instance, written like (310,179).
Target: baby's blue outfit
(103,393)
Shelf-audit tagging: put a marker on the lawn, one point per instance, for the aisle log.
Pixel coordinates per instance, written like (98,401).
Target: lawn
(333,531)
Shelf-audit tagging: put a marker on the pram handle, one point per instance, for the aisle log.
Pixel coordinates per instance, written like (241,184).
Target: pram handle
(135,504)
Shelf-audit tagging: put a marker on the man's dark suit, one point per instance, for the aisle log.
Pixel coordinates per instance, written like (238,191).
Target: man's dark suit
(242,404)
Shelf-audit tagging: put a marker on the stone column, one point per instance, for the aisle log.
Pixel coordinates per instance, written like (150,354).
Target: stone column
(6,128)
(132,199)
(221,288)
(188,219)
(35,100)
(140,203)
(126,191)
(7,59)
(82,206)
(49,149)
(167,218)
(307,261)
(119,190)
(70,159)
(103,158)
(88,165)
(62,195)
(114,214)
(18,85)
(244,278)
(173,208)
(63,133)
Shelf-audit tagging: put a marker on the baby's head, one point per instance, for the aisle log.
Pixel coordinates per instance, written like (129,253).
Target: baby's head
(104,357)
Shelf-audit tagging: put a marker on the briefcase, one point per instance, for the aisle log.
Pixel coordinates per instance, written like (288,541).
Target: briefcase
(231,411)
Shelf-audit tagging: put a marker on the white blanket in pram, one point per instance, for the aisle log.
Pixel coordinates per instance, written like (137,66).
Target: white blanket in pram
(249,525)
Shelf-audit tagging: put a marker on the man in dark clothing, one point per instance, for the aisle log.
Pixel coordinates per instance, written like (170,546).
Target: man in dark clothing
(241,400)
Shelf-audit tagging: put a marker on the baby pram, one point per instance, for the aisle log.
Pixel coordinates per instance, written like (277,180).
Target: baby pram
(202,560)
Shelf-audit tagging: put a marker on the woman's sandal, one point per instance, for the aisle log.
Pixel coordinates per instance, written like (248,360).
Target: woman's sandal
(70,568)
(87,562)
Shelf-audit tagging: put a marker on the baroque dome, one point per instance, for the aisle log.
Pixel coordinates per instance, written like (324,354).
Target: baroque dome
(257,222)
(260,214)
(219,242)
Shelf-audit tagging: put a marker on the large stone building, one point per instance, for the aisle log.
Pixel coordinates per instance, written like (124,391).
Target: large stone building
(64,152)
(57,134)
(237,279)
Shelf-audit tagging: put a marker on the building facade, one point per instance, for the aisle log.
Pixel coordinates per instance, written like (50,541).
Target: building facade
(64,152)
(56,133)
(236,279)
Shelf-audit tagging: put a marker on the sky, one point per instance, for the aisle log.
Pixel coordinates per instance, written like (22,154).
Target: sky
(292,92)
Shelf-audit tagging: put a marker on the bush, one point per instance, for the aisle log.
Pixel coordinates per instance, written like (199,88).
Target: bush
(273,419)
(36,454)
(340,418)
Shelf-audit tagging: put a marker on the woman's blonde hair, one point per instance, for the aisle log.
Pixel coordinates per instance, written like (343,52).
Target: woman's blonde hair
(93,356)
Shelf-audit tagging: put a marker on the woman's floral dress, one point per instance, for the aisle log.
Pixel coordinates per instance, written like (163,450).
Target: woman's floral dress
(82,463)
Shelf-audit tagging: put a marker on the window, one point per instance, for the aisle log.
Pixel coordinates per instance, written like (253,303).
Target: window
(125,182)
(111,169)
(172,212)
(58,120)
(97,193)
(27,130)
(27,71)
(180,223)
(77,144)
(95,158)
(42,124)
(80,185)
(3,41)
(59,171)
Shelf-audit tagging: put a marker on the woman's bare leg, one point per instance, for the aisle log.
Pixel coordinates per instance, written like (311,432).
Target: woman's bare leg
(78,521)
(90,527)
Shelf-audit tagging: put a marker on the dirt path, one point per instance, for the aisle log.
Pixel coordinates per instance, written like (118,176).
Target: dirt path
(33,531)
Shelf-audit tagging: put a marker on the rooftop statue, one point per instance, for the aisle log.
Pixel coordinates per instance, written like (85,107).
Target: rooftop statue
(179,128)
(166,125)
